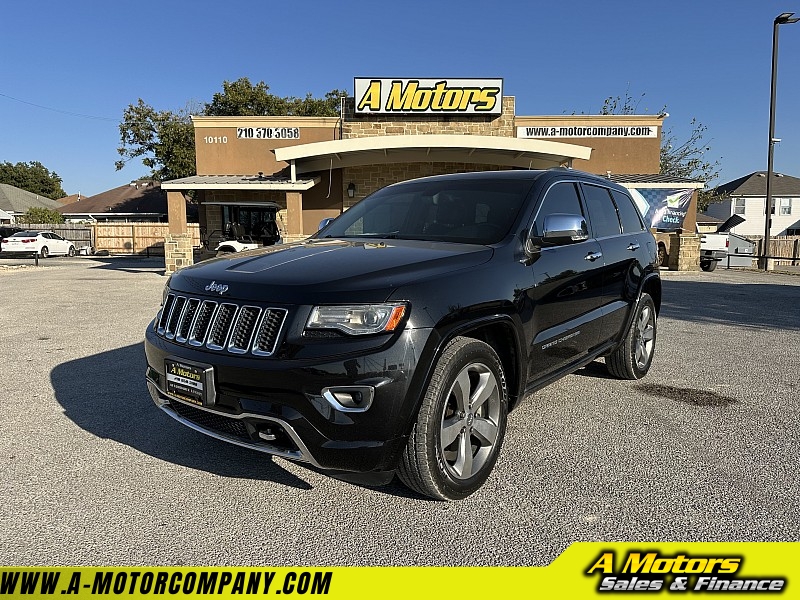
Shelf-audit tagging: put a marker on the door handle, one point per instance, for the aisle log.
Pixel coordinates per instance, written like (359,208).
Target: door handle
(633,246)
(593,256)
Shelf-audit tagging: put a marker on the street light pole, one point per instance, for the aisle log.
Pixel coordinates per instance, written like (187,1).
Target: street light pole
(781,19)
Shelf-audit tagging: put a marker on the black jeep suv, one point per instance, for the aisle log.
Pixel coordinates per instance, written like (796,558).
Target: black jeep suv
(399,336)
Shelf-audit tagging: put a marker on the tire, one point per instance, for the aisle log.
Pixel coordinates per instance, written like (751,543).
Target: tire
(708,265)
(226,251)
(44,252)
(473,424)
(633,357)
(71,251)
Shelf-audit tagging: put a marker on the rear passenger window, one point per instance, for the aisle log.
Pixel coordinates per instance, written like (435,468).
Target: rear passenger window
(602,212)
(628,213)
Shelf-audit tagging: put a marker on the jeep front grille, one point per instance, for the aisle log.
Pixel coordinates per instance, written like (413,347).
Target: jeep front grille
(221,326)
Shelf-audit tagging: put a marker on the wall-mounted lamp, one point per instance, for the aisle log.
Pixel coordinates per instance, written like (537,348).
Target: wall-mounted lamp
(351,190)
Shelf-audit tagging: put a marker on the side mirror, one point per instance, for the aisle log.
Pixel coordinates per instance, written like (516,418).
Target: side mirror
(560,228)
(324,223)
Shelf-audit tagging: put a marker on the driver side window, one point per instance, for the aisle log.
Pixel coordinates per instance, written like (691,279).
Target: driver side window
(562,198)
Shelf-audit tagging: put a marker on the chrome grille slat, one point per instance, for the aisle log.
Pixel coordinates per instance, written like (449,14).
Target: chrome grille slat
(221,326)
(243,329)
(175,316)
(166,310)
(199,330)
(185,324)
(269,330)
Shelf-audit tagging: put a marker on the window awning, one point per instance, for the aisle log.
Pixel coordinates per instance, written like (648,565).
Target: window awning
(239,182)
(493,150)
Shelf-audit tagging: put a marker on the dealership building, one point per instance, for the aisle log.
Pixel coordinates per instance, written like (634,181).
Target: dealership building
(397,129)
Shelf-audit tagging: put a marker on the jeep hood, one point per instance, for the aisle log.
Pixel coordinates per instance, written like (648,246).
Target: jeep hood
(328,271)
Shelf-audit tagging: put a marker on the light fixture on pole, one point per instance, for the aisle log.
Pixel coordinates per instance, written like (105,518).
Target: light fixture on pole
(781,19)
(351,190)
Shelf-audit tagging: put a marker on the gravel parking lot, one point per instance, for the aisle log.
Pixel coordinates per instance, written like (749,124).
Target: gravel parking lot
(704,449)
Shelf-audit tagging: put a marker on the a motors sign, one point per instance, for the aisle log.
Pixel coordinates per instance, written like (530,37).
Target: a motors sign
(428,96)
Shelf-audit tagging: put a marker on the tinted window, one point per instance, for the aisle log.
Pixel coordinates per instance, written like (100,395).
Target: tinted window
(602,212)
(562,198)
(628,213)
(480,211)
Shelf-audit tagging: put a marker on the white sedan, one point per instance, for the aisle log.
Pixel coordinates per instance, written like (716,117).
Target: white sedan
(43,243)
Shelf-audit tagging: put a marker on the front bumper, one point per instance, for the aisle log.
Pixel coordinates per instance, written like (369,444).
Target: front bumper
(281,407)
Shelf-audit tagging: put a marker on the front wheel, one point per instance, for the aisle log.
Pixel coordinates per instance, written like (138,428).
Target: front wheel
(71,251)
(461,424)
(633,357)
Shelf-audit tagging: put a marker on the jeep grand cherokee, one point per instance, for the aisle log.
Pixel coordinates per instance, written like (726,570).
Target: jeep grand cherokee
(399,336)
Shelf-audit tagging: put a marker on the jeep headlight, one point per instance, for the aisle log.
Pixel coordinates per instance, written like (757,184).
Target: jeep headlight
(359,319)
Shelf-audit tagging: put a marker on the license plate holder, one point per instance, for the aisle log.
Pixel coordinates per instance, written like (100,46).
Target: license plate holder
(190,381)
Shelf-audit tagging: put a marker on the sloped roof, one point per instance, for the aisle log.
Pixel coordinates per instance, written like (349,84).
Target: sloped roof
(755,184)
(70,199)
(704,218)
(15,200)
(239,182)
(144,197)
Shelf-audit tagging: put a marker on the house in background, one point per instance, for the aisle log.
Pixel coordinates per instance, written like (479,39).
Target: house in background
(16,202)
(707,224)
(140,201)
(748,198)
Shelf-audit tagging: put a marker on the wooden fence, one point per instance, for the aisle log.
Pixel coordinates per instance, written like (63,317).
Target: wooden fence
(119,238)
(785,249)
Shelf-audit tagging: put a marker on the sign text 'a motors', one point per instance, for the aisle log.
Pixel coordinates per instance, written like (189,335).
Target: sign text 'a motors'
(432,96)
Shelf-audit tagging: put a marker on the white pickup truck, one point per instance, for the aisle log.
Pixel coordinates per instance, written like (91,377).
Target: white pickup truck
(730,248)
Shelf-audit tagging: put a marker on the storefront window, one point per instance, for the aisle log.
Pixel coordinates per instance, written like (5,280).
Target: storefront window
(257,222)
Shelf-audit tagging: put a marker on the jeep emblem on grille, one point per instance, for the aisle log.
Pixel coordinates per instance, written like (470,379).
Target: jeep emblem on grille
(217,287)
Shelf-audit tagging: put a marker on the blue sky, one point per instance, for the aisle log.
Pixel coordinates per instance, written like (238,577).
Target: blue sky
(704,60)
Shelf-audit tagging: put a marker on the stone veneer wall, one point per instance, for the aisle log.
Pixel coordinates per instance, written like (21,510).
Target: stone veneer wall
(687,257)
(359,126)
(178,251)
(369,178)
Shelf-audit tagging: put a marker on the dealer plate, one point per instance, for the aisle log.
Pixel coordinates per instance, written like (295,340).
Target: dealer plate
(190,381)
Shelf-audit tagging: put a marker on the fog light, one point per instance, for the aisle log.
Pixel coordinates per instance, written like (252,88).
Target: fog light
(354,398)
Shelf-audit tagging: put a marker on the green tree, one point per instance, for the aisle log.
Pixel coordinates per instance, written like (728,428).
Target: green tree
(40,215)
(164,140)
(677,157)
(33,177)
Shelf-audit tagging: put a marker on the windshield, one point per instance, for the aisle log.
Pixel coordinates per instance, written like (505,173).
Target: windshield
(26,234)
(480,211)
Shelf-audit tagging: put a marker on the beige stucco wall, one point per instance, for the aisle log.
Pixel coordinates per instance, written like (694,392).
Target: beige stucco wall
(614,154)
(219,152)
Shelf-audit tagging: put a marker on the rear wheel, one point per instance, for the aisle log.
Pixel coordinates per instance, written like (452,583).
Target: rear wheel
(44,252)
(632,359)
(708,265)
(461,424)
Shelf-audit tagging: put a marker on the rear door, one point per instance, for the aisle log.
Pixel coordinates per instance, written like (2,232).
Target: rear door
(619,229)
